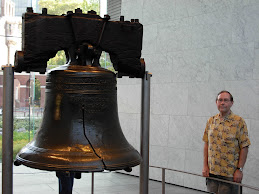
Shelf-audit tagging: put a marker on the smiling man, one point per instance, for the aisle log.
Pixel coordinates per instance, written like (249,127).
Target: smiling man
(225,147)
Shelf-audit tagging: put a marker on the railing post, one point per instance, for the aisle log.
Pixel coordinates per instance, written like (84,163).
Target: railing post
(212,178)
(7,141)
(145,120)
(92,191)
(163,180)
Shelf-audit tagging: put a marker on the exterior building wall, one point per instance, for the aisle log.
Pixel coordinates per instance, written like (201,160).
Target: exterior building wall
(114,9)
(22,89)
(194,49)
(42,96)
(7,8)
(10,32)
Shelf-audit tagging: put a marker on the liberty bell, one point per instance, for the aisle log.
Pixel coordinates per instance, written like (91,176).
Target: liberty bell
(80,130)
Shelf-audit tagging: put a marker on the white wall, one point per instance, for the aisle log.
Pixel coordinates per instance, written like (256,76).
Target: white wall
(194,49)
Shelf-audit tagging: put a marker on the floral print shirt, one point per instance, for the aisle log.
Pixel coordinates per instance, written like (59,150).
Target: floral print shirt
(225,139)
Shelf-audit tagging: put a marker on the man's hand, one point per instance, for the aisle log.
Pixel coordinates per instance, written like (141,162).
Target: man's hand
(238,176)
(205,171)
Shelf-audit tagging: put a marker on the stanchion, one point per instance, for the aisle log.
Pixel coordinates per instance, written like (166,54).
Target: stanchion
(145,120)
(92,189)
(7,137)
(163,180)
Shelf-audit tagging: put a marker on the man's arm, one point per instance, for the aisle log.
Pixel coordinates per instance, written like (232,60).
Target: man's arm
(205,170)
(238,175)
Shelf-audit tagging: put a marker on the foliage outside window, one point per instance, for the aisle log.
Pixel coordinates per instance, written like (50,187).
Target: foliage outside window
(61,7)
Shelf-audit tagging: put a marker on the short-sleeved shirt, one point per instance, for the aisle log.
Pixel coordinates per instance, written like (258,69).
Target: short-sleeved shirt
(225,139)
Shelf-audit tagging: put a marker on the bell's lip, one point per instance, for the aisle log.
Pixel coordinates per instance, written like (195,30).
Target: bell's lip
(76,168)
(51,160)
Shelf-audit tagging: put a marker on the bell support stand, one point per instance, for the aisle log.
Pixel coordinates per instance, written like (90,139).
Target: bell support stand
(123,41)
(7,142)
(145,123)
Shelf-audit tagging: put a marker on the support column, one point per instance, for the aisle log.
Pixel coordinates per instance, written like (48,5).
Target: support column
(145,121)
(7,138)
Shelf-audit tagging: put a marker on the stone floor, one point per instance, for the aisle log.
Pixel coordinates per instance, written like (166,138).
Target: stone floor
(31,181)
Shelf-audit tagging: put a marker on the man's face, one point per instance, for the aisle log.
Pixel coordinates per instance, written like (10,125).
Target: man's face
(224,103)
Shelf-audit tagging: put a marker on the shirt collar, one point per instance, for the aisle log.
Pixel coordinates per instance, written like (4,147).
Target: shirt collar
(229,117)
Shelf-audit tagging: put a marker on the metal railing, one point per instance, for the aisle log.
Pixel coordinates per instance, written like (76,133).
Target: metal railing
(212,178)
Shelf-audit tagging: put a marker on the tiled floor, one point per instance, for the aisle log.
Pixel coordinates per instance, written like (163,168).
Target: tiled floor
(31,181)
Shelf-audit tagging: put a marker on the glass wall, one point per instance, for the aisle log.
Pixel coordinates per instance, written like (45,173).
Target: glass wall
(29,88)
(21,6)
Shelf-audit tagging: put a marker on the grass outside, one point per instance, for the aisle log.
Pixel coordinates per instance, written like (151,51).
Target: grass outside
(20,139)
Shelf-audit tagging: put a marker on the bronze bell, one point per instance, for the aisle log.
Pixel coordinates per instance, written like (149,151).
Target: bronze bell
(80,130)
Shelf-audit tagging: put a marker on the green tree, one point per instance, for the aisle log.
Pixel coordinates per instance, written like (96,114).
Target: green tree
(59,59)
(59,7)
(88,5)
(105,61)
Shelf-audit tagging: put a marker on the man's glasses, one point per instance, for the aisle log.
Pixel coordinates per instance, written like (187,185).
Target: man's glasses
(223,100)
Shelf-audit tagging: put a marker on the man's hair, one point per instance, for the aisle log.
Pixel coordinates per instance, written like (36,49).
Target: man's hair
(225,91)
